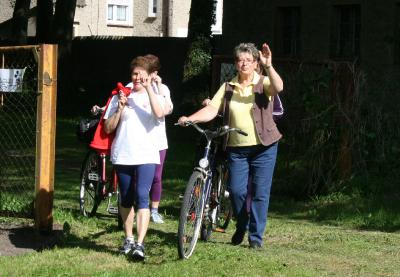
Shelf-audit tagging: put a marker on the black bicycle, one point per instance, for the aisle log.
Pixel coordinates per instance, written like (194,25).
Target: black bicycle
(206,206)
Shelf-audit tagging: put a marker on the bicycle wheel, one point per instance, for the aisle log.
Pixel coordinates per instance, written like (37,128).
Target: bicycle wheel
(209,214)
(224,207)
(90,182)
(191,215)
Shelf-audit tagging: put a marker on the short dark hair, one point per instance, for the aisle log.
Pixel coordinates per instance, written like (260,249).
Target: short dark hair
(141,61)
(154,62)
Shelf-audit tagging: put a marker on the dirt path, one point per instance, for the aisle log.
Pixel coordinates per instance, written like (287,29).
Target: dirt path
(20,239)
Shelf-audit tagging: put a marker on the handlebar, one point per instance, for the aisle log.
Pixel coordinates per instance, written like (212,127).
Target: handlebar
(220,131)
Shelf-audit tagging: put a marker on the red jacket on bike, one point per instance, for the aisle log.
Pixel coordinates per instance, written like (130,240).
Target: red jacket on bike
(102,141)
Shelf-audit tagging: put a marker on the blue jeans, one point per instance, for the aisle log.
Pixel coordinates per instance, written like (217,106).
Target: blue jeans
(134,184)
(258,162)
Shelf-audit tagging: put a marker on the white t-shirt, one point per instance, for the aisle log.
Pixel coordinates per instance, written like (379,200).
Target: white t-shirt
(160,131)
(135,139)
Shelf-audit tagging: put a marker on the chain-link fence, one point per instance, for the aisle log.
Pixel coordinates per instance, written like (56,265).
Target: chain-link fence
(18,110)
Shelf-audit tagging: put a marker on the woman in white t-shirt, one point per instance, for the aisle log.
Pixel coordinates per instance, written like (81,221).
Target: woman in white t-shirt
(134,151)
(163,90)
(161,136)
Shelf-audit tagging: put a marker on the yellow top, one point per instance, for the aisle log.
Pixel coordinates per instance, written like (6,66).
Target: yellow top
(240,109)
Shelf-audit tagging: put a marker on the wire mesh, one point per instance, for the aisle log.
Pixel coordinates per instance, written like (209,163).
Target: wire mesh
(18,109)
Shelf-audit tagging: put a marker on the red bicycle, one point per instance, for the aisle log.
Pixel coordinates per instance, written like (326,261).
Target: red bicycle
(99,183)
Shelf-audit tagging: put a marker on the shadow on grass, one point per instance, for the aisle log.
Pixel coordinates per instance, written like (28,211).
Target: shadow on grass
(377,213)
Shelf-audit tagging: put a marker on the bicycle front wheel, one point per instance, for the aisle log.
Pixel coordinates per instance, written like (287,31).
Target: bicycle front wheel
(191,215)
(90,182)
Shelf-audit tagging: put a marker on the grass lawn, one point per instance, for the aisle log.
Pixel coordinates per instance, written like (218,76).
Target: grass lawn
(302,239)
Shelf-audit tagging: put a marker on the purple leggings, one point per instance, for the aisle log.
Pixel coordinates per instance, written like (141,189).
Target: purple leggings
(156,187)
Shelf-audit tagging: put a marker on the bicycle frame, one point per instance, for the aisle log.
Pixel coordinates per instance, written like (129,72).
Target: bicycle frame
(210,152)
(113,186)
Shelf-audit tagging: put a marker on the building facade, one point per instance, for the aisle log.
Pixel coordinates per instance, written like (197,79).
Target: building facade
(141,18)
(350,30)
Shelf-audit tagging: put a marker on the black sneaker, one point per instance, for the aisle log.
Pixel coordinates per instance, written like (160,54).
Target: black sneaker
(138,252)
(237,237)
(127,247)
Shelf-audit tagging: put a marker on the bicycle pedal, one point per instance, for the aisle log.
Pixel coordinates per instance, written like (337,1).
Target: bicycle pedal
(219,230)
(112,210)
(226,194)
(93,177)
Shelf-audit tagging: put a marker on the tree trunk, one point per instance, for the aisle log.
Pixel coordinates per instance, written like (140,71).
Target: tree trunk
(44,20)
(20,21)
(202,16)
(62,31)
(62,28)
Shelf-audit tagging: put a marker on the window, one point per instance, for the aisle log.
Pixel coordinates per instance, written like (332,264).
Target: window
(216,28)
(287,32)
(119,12)
(81,3)
(152,12)
(345,40)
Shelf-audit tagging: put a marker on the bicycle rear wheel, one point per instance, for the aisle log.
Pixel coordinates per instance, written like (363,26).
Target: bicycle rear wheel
(191,215)
(224,208)
(90,183)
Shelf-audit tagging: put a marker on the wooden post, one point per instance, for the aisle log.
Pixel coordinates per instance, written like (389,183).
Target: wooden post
(45,140)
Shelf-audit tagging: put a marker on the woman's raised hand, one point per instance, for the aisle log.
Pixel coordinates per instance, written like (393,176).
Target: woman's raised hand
(265,55)
(122,100)
(145,80)
(157,79)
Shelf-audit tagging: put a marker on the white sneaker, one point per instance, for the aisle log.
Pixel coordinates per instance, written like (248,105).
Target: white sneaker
(156,218)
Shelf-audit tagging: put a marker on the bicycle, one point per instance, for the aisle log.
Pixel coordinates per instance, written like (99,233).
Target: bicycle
(203,208)
(96,186)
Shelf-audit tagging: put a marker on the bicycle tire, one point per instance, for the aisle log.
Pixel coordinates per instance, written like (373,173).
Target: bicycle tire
(224,208)
(191,215)
(89,187)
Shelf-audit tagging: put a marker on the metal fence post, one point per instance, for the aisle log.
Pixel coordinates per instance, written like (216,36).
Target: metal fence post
(45,142)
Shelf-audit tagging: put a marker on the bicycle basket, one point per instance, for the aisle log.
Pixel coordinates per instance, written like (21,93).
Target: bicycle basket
(86,128)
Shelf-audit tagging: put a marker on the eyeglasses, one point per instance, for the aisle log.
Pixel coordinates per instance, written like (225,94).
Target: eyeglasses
(242,62)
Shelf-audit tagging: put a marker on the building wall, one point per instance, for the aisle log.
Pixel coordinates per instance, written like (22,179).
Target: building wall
(91,20)
(256,22)
(179,14)
(5,11)
(144,25)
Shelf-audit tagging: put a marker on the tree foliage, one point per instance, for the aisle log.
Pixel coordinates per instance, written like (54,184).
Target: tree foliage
(198,58)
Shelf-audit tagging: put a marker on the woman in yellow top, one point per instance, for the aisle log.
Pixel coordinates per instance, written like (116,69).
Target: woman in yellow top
(246,102)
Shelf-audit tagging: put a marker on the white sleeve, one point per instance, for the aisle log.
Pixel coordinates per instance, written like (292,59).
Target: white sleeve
(112,107)
(167,95)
